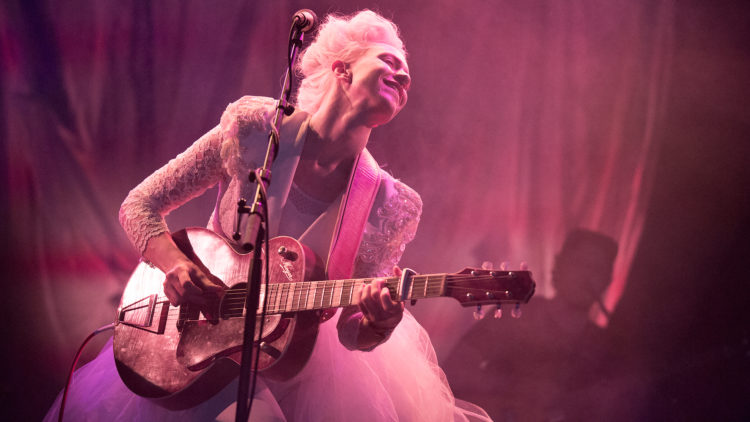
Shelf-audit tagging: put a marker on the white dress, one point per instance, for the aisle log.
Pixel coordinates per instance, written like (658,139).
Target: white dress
(399,380)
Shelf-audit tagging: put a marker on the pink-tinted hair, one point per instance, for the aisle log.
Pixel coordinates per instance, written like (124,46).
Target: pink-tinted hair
(342,38)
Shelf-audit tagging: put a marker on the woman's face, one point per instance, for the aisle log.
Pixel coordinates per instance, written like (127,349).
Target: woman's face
(379,82)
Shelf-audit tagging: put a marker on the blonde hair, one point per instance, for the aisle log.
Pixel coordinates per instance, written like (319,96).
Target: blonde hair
(342,38)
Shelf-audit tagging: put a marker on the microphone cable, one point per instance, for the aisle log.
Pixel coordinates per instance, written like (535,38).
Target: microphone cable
(75,362)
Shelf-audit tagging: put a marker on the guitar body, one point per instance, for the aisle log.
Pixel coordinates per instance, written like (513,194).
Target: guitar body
(177,356)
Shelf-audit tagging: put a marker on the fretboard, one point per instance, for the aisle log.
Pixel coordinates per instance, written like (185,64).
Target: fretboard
(313,295)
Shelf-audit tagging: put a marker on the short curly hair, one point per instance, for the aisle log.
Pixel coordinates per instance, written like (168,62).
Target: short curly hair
(342,38)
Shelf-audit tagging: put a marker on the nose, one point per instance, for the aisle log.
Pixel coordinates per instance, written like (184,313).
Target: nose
(403,79)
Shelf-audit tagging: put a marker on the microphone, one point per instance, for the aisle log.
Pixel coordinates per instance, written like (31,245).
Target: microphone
(305,20)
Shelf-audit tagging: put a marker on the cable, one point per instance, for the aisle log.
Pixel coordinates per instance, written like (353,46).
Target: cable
(254,379)
(75,362)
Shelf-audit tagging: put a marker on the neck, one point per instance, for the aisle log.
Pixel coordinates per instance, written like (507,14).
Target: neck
(339,133)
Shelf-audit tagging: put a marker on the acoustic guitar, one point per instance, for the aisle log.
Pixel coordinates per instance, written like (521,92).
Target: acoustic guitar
(179,357)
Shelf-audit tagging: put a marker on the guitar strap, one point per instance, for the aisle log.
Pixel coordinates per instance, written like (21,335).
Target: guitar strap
(352,217)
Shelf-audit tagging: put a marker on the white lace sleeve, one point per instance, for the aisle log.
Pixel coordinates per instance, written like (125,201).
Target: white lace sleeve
(383,244)
(214,156)
(242,118)
(181,179)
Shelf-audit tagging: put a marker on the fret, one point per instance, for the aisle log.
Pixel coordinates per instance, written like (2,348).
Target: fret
(317,295)
(297,297)
(298,292)
(273,298)
(265,297)
(304,289)
(277,303)
(394,287)
(340,291)
(310,297)
(435,285)
(418,287)
(328,294)
(287,290)
(276,288)
(347,292)
(320,293)
(355,284)
(336,294)
(352,287)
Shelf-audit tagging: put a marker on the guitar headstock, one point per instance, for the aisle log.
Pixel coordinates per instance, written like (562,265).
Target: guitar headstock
(476,286)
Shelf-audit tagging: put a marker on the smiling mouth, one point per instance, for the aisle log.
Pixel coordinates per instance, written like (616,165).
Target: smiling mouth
(396,87)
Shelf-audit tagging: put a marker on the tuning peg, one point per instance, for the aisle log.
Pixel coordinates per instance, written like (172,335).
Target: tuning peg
(498,312)
(479,313)
(487,265)
(516,312)
(504,266)
(524,266)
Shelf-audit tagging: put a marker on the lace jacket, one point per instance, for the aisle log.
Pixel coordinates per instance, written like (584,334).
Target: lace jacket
(223,155)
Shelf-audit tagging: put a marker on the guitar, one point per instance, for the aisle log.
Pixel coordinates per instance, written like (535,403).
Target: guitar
(179,358)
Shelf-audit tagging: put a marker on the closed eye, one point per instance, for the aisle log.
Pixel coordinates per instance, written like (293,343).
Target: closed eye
(402,78)
(392,61)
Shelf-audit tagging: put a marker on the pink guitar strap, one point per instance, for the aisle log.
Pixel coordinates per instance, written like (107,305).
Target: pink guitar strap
(352,217)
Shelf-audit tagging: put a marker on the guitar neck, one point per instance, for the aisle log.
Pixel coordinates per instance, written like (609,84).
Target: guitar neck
(314,295)
(471,287)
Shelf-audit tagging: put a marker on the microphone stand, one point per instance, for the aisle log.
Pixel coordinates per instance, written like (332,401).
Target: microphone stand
(251,238)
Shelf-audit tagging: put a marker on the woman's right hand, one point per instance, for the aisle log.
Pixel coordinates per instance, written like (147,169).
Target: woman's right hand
(186,283)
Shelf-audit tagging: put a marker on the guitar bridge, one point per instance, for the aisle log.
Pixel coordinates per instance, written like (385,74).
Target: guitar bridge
(139,314)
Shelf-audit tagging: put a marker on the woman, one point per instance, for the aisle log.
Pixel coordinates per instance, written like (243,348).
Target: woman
(375,362)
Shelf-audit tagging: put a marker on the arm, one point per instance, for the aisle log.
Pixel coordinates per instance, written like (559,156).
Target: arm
(142,214)
(201,166)
(369,324)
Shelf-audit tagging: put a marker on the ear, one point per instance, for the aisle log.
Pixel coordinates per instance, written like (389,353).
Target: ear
(341,71)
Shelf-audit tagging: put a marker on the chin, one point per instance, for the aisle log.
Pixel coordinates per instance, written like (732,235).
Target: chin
(383,116)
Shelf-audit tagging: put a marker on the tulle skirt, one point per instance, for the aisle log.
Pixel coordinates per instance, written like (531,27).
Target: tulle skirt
(397,381)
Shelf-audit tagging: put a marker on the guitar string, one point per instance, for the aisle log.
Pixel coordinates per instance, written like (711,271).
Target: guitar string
(320,291)
(239,292)
(305,291)
(302,291)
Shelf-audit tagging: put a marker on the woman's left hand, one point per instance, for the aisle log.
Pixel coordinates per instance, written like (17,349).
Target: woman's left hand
(381,313)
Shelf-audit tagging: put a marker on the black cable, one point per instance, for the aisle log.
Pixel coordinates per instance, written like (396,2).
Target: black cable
(73,368)
(264,210)
(289,58)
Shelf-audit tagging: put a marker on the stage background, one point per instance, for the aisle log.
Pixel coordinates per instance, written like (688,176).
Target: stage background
(525,120)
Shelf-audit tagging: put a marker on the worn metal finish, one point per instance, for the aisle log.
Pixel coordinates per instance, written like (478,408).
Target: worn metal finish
(178,356)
